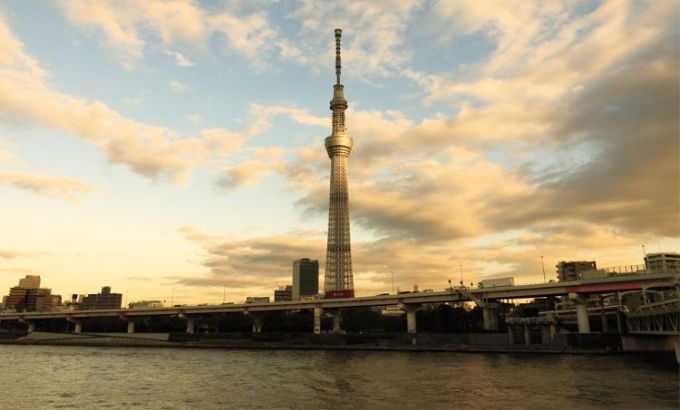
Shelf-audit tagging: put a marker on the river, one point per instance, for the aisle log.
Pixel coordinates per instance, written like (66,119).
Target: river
(159,378)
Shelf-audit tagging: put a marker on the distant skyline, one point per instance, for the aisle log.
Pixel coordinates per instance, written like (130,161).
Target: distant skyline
(177,147)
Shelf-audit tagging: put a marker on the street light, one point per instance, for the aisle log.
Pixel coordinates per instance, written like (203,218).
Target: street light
(543,266)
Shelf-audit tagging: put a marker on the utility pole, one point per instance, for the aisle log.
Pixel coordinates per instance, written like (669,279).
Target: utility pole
(543,266)
(461,275)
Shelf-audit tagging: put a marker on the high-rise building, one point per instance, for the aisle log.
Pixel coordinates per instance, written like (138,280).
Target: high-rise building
(30,282)
(29,296)
(103,300)
(574,270)
(305,278)
(16,298)
(284,294)
(339,281)
(662,262)
(46,301)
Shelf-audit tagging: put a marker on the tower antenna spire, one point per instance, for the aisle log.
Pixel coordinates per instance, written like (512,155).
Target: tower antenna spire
(338,65)
(339,281)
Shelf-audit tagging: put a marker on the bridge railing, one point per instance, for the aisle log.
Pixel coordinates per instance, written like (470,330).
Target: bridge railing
(628,269)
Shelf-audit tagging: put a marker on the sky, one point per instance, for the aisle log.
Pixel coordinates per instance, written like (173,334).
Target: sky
(174,149)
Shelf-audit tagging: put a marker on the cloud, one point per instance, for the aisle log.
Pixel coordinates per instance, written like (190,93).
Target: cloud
(180,59)
(248,266)
(260,162)
(6,254)
(57,187)
(176,24)
(151,151)
(263,114)
(140,278)
(178,87)
(373,40)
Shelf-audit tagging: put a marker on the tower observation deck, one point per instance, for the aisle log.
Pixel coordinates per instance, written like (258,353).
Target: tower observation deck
(339,282)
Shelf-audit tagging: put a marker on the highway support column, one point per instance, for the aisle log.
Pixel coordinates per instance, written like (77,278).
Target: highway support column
(318,313)
(490,315)
(257,323)
(581,302)
(410,310)
(191,323)
(336,318)
(527,335)
(77,325)
(130,323)
(31,327)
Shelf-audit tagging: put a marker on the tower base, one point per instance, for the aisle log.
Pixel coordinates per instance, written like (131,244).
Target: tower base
(339,294)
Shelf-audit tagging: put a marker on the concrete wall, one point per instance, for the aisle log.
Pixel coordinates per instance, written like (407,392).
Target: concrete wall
(649,343)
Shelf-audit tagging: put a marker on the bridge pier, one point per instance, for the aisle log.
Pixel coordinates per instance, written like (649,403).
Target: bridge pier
(130,323)
(318,313)
(410,310)
(527,335)
(257,324)
(77,324)
(336,318)
(581,302)
(490,315)
(191,323)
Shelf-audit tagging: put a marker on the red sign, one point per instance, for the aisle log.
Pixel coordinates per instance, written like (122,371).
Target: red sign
(339,294)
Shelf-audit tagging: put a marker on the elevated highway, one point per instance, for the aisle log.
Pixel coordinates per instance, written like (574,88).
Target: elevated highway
(409,302)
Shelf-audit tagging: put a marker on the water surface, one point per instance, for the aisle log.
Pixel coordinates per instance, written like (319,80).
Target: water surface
(105,377)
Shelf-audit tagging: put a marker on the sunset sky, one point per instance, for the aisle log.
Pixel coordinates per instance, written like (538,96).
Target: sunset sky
(176,147)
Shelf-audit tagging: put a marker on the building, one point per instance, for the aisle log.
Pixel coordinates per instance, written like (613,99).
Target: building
(574,270)
(284,294)
(103,300)
(30,297)
(146,304)
(662,262)
(257,299)
(305,278)
(339,281)
(30,282)
(47,302)
(16,299)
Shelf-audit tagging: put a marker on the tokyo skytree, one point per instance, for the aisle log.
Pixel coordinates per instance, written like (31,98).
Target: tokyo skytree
(339,281)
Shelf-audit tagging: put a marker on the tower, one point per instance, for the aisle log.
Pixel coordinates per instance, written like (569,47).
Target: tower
(339,282)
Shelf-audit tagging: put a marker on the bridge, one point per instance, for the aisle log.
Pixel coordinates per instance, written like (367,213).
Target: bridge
(578,291)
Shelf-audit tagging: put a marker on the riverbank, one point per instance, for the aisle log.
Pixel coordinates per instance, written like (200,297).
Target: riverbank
(483,343)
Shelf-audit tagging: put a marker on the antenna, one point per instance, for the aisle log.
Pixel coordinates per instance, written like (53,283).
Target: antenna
(338,65)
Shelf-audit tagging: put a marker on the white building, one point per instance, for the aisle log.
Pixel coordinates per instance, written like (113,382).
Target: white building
(662,262)
(146,304)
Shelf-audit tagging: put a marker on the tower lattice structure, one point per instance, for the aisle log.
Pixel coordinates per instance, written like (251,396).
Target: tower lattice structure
(339,281)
